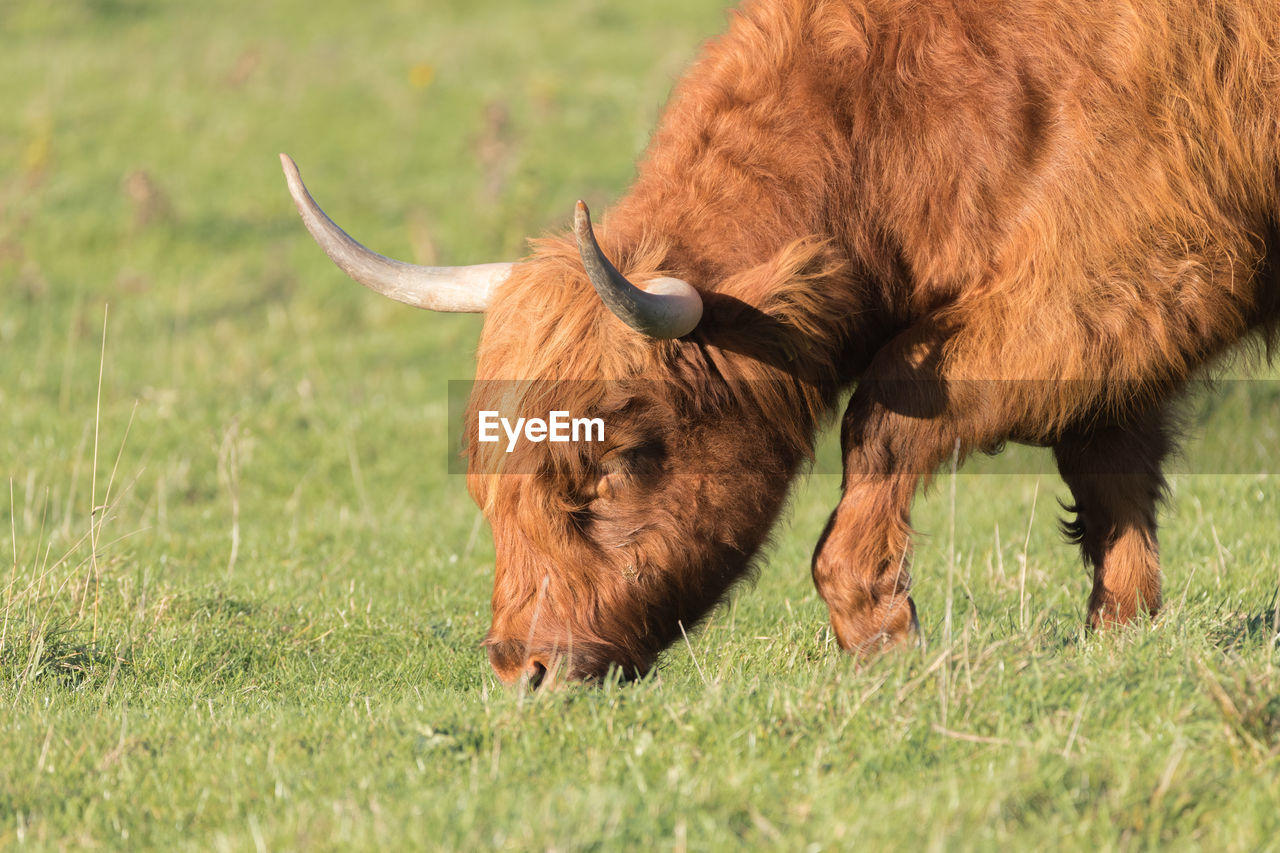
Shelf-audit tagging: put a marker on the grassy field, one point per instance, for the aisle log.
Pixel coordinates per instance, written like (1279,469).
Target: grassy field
(245,595)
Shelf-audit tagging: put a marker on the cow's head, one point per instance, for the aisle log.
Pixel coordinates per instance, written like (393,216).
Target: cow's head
(608,550)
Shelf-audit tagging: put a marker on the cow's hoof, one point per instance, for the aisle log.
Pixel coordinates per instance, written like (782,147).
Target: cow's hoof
(888,624)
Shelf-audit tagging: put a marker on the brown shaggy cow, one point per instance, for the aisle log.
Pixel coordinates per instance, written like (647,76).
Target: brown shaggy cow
(1030,221)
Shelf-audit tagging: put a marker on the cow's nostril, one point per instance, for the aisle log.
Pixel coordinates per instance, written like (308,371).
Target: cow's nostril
(514,663)
(536,671)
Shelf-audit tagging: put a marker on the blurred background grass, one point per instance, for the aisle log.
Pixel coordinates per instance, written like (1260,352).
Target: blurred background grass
(274,641)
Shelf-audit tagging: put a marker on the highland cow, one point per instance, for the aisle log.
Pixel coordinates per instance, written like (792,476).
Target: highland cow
(1028,221)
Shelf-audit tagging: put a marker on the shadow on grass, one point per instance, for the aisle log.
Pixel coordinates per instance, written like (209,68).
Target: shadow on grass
(60,654)
(1238,630)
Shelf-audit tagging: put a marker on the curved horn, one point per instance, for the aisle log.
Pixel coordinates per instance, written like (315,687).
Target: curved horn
(664,308)
(454,289)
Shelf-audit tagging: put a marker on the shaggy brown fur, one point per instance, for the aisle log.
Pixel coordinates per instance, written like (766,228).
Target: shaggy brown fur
(1027,221)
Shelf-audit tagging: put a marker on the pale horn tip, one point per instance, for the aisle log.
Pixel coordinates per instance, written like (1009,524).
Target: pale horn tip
(292,176)
(581,220)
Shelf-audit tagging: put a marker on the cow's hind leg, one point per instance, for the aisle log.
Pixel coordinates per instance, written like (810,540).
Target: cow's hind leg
(1114,473)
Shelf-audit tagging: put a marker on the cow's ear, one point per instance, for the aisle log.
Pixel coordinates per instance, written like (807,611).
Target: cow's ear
(796,302)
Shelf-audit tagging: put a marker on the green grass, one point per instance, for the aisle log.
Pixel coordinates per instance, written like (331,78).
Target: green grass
(266,635)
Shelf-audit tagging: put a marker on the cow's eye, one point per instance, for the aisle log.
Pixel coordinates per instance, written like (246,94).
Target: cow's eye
(626,466)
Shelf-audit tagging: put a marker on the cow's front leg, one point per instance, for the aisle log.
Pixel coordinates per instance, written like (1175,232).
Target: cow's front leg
(902,423)
(861,564)
(1114,472)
